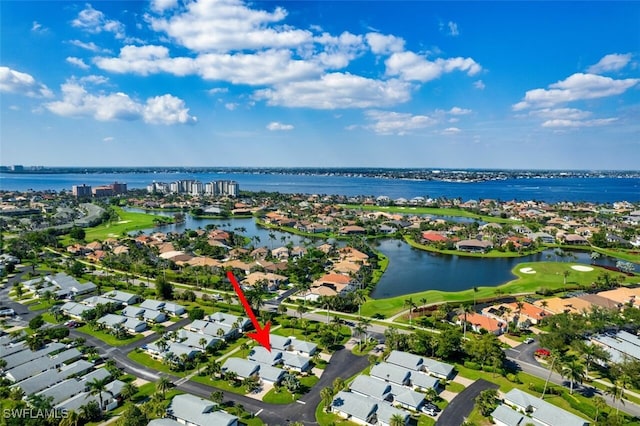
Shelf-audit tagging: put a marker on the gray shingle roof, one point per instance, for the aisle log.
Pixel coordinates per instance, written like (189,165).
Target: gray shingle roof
(198,411)
(405,359)
(542,410)
(386,411)
(270,374)
(370,386)
(242,367)
(355,405)
(25,356)
(260,354)
(390,372)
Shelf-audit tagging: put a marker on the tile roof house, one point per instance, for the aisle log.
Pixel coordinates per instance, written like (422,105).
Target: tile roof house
(479,322)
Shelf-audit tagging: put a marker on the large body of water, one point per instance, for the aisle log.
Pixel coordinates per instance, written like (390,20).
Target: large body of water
(410,270)
(602,190)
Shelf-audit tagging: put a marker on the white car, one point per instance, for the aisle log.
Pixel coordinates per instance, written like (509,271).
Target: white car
(529,340)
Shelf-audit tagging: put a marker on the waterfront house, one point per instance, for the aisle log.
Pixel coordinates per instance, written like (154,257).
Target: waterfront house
(474,246)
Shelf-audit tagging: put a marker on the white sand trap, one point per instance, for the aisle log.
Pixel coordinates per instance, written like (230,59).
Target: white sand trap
(123,221)
(582,268)
(527,271)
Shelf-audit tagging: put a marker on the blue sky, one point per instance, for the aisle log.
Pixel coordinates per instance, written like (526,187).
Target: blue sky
(320,83)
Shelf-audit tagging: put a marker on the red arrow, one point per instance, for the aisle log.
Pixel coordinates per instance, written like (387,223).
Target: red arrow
(262,334)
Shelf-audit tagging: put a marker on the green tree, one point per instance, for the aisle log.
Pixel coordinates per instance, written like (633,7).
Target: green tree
(36,322)
(128,391)
(163,385)
(132,416)
(77,233)
(196,314)
(326,394)
(217,397)
(397,420)
(164,289)
(97,387)
(574,371)
(487,401)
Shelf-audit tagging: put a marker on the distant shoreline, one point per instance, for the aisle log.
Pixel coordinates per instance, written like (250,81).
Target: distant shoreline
(425,174)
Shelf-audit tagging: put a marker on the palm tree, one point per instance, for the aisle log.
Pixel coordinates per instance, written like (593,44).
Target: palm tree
(217,397)
(410,304)
(163,385)
(72,419)
(213,368)
(35,341)
(360,330)
(464,310)
(243,347)
(327,303)
(97,387)
(327,397)
(359,297)
(129,390)
(475,290)
(574,371)
(397,420)
(600,404)
(202,342)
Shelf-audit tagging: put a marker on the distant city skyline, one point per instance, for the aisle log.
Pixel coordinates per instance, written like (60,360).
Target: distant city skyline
(505,85)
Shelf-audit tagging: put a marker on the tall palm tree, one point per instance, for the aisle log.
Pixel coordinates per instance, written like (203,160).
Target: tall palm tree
(97,387)
(360,330)
(574,371)
(203,343)
(163,385)
(600,404)
(464,310)
(410,304)
(128,390)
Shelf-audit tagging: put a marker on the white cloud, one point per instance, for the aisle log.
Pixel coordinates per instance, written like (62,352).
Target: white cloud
(479,85)
(578,123)
(224,25)
(162,5)
(453,29)
(262,68)
(459,111)
(575,88)
(337,90)
(381,44)
(77,102)
(167,109)
(12,81)
(395,123)
(93,79)
(612,62)
(37,27)
(77,62)
(276,126)
(451,131)
(335,52)
(108,139)
(231,106)
(91,46)
(410,66)
(93,21)
(561,114)
(217,90)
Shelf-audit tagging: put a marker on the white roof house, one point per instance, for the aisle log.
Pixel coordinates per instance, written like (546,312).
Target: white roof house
(541,411)
(194,411)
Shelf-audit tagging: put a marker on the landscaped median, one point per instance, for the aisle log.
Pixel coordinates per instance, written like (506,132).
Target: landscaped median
(548,276)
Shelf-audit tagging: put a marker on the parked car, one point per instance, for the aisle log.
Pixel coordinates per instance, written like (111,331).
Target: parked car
(529,340)
(428,410)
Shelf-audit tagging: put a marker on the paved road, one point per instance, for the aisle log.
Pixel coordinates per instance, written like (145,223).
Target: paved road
(21,310)
(461,406)
(524,352)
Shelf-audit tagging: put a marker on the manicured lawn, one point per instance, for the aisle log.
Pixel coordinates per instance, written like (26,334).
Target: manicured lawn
(549,275)
(383,263)
(129,221)
(41,305)
(432,211)
(49,318)
(220,384)
(285,397)
(629,255)
(455,387)
(146,360)
(327,419)
(109,339)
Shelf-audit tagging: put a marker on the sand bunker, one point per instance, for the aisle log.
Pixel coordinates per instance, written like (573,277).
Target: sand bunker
(527,271)
(582,268)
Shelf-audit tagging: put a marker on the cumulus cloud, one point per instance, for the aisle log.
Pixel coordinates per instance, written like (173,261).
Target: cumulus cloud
(276,126)
(479,85)
(94,21)
(231,106)
(413,67)
(77,62)
(576,87)
(12,81)
(396,123)
(262,68)
(225,25)
(78,102)
(162,5)
(337,90)
(612,62)
(558,114)
(382,44)
(217,90)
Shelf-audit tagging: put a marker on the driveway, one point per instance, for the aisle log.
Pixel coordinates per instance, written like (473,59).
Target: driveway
(524,352)
(461,406)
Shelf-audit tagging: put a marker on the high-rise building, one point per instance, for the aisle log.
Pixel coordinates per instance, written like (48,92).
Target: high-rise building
(81,191)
